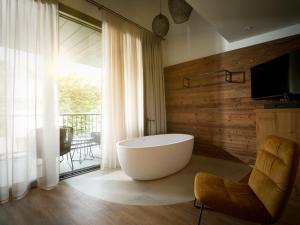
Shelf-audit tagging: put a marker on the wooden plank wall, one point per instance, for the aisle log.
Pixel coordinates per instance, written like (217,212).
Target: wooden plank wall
(220,115)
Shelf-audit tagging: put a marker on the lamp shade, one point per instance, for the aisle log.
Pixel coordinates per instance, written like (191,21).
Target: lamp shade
(160,25)
(180,10)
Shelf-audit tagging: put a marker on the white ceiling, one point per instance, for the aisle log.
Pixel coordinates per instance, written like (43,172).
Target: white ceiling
(230,18)
(233,18)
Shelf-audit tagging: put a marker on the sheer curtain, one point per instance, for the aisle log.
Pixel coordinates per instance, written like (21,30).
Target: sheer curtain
(122,86)
(154,85)
(29,136)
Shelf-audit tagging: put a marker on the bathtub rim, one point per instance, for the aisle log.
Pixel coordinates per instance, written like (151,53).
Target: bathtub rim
(191,137)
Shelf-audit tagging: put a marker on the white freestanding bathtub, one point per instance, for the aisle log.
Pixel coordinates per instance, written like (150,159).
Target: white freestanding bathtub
(153,157)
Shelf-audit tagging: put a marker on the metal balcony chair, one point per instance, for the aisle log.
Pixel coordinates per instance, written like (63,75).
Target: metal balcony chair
(66,136)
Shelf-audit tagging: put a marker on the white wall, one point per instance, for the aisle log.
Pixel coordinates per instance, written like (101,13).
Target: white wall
(201,40)
(191,40)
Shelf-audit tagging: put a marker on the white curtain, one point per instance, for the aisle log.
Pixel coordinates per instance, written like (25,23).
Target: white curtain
(154,85)
(123,113)
(29,135)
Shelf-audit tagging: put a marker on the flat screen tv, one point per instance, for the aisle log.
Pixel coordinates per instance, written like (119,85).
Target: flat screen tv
(276,78)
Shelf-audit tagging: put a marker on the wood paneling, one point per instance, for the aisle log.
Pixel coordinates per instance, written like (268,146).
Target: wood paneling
(281,122)
(220,115)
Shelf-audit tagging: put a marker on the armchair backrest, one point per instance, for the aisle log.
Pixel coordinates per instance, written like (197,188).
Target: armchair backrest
(274,173)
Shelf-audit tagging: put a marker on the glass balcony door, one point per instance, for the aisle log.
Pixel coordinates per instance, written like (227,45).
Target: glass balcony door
(79,94)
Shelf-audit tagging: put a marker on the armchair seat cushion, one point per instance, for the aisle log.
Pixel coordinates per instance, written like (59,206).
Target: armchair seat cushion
(229,197)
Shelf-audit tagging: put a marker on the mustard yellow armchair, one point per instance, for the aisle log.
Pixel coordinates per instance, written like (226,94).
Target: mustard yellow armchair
(261,200)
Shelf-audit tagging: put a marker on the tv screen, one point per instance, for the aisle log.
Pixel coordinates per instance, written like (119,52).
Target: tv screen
(277,77)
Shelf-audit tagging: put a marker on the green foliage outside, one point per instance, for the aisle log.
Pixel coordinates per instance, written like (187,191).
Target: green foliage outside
(78,95)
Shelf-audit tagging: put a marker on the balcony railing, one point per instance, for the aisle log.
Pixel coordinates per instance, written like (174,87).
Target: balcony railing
(83,124)
(85,146)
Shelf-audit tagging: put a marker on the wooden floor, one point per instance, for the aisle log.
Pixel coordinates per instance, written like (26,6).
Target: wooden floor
(66,206)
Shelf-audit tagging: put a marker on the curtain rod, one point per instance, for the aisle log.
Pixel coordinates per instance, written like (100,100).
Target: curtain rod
(100,6)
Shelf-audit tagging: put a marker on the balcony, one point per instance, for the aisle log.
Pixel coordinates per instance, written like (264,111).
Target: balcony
(80,141)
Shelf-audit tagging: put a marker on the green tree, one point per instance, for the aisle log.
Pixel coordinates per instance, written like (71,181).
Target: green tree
(78,95)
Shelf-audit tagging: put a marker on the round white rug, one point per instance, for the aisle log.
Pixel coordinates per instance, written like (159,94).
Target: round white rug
(116,186)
